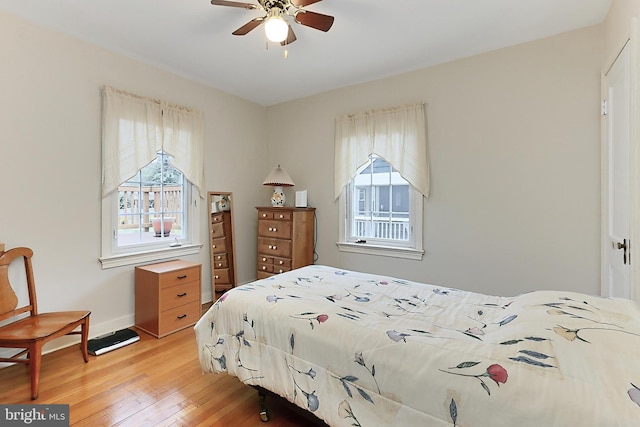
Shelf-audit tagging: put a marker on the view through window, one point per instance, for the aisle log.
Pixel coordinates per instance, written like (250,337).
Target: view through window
(151,204)
(380,206)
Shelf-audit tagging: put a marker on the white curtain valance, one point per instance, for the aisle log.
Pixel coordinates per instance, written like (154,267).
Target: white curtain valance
(135,128)
(397,134)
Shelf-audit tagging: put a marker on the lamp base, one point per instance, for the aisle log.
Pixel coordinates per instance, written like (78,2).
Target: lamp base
(277,198)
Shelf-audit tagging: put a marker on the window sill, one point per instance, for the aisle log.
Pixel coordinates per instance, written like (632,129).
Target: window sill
(388,251)
(148,256)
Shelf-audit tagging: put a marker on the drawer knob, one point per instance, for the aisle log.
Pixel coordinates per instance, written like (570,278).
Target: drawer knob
(281,262)
(219,264)
(214,246)
(274,247)
(219,257)
(184,294)
(182,316)
(281,216)
(264,259)
(216,277)
(280,270)
(264,268)
(264,215)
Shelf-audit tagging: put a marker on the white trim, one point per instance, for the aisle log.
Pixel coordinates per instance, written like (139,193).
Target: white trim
(630,42)
(153,255)
(389,251)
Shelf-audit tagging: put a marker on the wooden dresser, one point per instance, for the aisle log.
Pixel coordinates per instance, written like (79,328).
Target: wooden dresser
(167,296)
(222,270)
(286,238)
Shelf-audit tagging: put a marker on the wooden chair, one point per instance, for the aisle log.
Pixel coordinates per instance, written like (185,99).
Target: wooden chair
(33,331)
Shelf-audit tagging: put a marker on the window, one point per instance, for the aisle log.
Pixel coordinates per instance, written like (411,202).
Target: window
(152,175)
(380,210)
(381,205)
(151,205)
(382,213)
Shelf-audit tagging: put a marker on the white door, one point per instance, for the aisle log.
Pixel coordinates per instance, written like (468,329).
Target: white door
(617,245)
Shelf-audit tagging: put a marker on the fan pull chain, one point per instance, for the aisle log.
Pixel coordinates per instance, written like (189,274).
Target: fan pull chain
(286,53)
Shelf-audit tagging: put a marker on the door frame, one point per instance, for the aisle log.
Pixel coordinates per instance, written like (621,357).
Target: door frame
(631,42)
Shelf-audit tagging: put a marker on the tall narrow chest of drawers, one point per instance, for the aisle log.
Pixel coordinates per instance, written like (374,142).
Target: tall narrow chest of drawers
(222,270)
(286,239)
(167,296)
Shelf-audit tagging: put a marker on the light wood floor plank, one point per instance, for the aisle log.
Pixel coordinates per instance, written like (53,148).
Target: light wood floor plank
(153,382)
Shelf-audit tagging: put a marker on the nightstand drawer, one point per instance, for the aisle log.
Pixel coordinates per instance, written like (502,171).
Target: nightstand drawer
(175,296)
(178,318)
(185,275)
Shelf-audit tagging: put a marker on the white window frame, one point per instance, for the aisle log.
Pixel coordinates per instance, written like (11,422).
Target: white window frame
(413,250)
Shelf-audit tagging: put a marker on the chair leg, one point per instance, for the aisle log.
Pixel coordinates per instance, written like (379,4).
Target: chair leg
(85,339)
(35,361)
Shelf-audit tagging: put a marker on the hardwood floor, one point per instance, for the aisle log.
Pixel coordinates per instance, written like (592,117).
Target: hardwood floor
(153,382)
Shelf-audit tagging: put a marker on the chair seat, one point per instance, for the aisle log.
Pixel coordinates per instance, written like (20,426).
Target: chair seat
(40,326)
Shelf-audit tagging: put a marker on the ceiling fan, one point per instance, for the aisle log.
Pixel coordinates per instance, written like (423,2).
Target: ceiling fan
(277,28)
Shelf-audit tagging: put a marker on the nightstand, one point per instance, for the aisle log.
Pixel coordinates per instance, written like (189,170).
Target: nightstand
(167,296)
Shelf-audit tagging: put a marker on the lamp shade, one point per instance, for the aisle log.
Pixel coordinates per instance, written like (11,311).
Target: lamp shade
(278,177)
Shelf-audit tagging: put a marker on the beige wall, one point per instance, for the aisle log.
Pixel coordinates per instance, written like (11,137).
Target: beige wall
(513,135)
(50,163)
(515,152)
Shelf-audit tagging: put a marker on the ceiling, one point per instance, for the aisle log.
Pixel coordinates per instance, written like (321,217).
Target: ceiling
(370,39)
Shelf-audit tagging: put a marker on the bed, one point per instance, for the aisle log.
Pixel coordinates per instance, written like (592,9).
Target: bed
(357,349)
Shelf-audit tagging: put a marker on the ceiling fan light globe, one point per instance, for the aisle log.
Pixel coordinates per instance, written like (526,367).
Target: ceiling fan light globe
(276,29)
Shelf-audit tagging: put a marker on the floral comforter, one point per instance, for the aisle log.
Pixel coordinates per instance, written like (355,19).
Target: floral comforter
(359,349)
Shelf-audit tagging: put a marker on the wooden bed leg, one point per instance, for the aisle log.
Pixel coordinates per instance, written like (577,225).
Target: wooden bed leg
(264,412)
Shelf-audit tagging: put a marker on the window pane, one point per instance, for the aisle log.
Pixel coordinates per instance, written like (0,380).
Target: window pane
(380,205)
(151,204)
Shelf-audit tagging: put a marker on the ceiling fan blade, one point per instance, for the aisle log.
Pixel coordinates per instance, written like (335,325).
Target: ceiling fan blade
(314,20)
(303,3)
(291,37)
(234,4)
(248,26)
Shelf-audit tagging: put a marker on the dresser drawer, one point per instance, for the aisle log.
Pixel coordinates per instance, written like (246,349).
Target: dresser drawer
(185,275)
(267,268)
(217,230)
(221,275)
(280,269)
(282,263)
(216,218)
(178,317)
(220,257)
(275,247)
(277,215)
(273,228)
(220,263)
(178,295)
(265,259)
(264,275)
(219,245)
